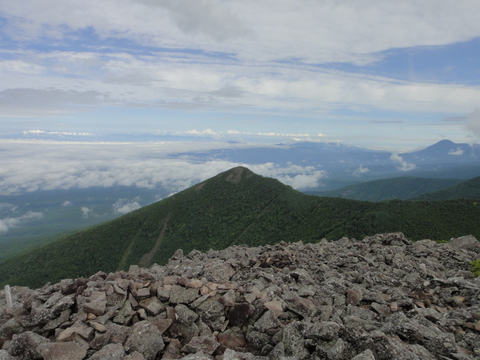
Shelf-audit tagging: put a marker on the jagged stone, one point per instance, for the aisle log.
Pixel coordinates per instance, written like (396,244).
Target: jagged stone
(268,321)
(206,344)
(218,271)
(354,296)
(211,312)
(185,315)
(4,355)
(109,352)
(239,313)
(276,306)
(96,303)
(153,305)
(125,314)
(325,331)
(24,346)
(366,355)
(70,350)
(465,242)
(233,338)
(228,299)
(146,339)
(181,295)
(293,341)
(134,356)
(80,329)
(377,298)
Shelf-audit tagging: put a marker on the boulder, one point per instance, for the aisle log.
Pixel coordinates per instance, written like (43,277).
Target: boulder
(146,339)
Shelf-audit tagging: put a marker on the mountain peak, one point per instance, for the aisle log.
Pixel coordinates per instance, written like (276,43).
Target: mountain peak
(238,173)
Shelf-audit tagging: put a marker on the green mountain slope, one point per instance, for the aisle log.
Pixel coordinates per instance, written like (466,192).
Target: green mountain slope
(402,188)
(234,207)
(469,189)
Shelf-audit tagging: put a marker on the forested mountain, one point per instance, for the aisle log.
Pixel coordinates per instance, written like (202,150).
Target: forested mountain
(402,188)
(234,207)
(469,189)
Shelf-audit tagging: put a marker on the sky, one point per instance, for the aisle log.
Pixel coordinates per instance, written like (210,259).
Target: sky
(372,73)
(191,74)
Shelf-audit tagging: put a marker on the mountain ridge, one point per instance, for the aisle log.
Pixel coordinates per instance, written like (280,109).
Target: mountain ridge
(232,208)
(402,188)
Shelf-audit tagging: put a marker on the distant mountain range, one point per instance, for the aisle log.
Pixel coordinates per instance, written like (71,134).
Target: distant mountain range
(33,218)
(445,151)
(233,208)
(405,188)
(347,165)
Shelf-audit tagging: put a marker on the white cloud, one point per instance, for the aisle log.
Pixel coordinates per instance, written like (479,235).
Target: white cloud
(473,123)
(315,31)
(9,222)
(32,165)
(205,132)
(20,66)
(361,170)
(124,206)
(85,211)
(296,176)
(67,203)
(206,17)
(7,207)
(404,166)
(46,101)
(56,133)
(457,152)
(228,54)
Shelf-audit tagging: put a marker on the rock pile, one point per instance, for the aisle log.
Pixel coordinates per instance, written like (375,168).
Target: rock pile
(379,298)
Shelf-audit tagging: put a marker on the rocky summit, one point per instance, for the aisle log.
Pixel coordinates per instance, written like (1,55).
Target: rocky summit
(379,298)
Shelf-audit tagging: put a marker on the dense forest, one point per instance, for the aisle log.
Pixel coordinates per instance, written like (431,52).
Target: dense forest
(235,207)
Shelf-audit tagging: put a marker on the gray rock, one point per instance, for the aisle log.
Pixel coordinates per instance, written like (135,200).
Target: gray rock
(366,355)
(211,312)
(206,344)
(70,350)
(96,303)
(109,352)
(24,346)
(233,338)
(325,331)
(268,321)
(152,305)
(293,341)
(465,242)
(354,296)
(134,356)
(185,315)
(4,355)
(146,339)
(218,271)
(229,298)
(378,298)
(181,295)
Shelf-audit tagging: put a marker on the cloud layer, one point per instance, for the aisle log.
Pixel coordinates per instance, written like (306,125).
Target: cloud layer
(34,165)
(124,206)
(9,222)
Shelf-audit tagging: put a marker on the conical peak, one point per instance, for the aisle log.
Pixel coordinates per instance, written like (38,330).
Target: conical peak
(236,174)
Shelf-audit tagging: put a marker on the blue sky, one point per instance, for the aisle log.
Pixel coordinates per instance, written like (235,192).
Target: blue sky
(382,74)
